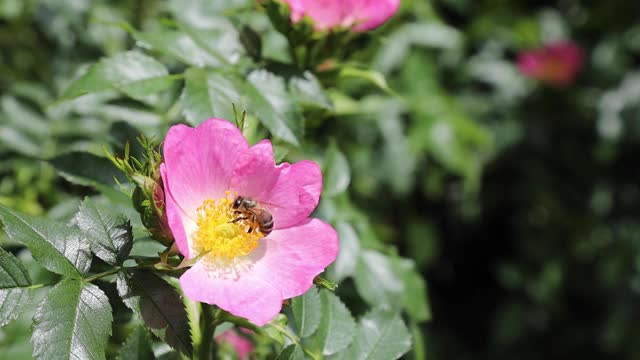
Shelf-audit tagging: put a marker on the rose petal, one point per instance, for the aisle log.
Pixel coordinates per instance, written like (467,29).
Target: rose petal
(295,193)
(374,13)
(174,217)
(255,171)
(247,296)
(199,161)
(291,258)
(331,14)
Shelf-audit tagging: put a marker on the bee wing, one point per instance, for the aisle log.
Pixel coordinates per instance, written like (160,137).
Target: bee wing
(269,206)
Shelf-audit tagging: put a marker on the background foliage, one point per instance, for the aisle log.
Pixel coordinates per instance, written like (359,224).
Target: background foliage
(516,201)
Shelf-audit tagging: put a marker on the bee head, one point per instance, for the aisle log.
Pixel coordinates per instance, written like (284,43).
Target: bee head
(237,202)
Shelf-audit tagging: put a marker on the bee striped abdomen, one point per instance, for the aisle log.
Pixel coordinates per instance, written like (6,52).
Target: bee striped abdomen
(266,224)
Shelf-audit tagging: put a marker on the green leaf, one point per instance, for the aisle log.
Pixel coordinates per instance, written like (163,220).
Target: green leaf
(381,335)
(269,100)
(306,312)
(73,321)
(443,129)
(377,281)
(392,282)
(219,38)
(203,12)
(87,169)
(398,45)
(19,142)
(131,72)
(158,305)
(110,234)
(14,292)
(177,45)
(416,301)
(211,94)
(54,245)
(397,164)
(137,346)
(335,331)
(369,75)
(291,352)
(345,264)
(337,174)
(24,118)
(307,91)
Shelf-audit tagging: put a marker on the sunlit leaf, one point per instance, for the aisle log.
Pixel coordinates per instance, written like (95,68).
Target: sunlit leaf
(14,140)
(178,45)
(306,312)
(398,45)
(14,292)
(73,322)
(57,247)
(345,264)
(131,72)
(269,100)
(337,174)
(308,91)
(211,94)
(372,76)
(110,233)
(336,328)
(220,39)
(381,335)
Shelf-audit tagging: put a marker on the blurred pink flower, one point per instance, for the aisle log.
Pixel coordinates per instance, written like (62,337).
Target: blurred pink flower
(362,15)
(242,271)
(556,63)
(239,343)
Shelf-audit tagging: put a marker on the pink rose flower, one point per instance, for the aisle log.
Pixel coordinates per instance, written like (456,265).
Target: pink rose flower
(556,64)
(239,343)
(361,15)
(239,269)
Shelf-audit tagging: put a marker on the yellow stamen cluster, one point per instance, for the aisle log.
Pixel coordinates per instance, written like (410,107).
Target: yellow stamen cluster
(220,238)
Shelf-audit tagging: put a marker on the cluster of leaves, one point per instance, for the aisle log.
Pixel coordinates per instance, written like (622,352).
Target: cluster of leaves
(75,317)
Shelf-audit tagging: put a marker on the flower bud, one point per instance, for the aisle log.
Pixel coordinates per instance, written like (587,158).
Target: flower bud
(148,200)
(148,195)
(357,15)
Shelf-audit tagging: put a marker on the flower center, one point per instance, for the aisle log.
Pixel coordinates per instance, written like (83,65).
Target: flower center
(223,234)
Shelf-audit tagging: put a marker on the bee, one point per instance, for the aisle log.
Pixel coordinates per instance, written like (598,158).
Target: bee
(258,216)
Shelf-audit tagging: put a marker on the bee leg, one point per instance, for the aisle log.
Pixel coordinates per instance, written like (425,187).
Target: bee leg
(238,219)
(253,221)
